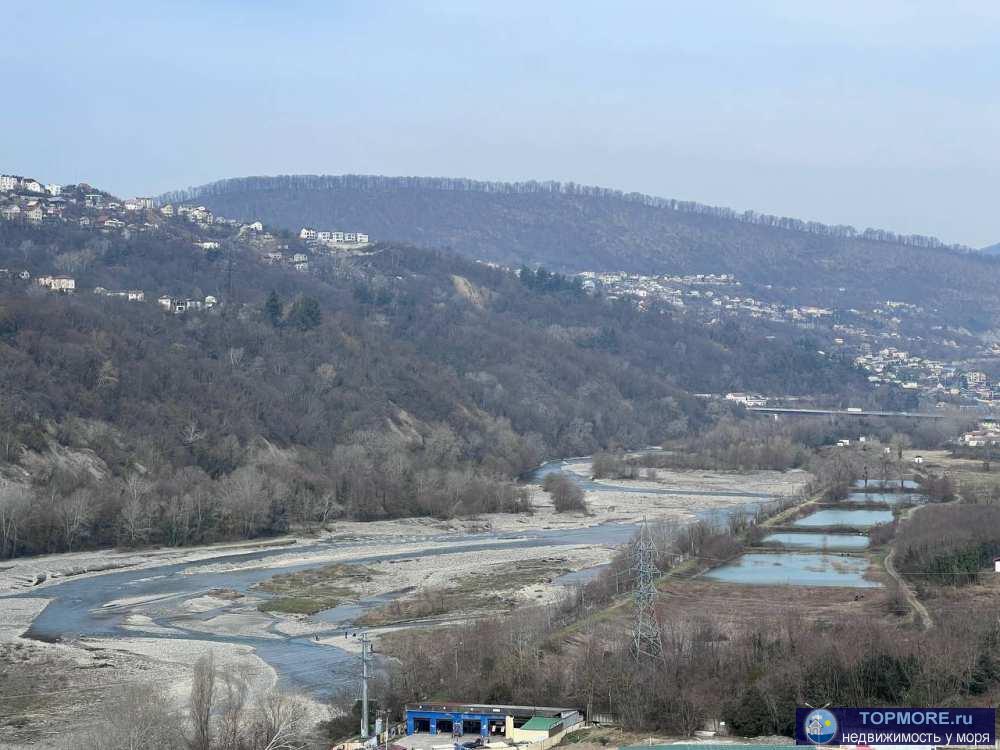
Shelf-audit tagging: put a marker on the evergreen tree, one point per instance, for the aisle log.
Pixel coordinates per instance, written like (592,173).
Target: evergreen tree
(305,313)
(272,309)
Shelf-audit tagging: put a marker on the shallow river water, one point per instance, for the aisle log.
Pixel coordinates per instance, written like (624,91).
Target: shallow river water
(79,606)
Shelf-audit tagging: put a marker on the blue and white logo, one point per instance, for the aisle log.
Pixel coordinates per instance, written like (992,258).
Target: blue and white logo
(820,726)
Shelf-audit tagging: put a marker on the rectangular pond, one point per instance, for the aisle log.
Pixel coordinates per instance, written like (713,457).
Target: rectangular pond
(835,517)
(807,540)
(795,569)
(889,498)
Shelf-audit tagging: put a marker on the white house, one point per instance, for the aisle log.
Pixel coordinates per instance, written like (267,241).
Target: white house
(57,283)
(10,213)
(33,186)
(167,210)
(308,234)
(362,238)
(747,399)
(34,214)
(208,245)
(255,226)
(132,295)
(8,182)
(53,189)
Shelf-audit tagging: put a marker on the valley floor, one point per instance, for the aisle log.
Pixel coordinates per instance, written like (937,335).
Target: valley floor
(416,572)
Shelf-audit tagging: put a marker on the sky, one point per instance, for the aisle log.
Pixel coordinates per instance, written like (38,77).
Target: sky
(881,114)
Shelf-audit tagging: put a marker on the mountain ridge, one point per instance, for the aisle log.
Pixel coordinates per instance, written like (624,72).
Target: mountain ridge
(461,184)
(570,229)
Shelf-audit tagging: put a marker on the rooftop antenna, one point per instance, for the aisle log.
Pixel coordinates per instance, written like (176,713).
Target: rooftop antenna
(646,641)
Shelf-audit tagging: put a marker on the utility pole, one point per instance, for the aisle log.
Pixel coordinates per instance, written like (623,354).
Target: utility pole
(646,630)
(366,655)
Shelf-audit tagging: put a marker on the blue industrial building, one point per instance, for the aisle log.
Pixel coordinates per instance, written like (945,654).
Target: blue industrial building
(484,720)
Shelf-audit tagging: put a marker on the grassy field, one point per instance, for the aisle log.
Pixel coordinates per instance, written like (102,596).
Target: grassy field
(968,473)
(307,592)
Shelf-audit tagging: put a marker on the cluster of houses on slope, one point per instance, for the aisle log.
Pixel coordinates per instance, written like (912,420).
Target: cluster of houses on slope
(25,199)
(986,435)
(332,239)
(175,305)
(12,182)
(933,377)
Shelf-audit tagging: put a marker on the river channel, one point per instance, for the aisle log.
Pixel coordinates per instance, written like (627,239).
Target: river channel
(86,607)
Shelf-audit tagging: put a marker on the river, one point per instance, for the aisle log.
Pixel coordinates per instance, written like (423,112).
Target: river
(79,608)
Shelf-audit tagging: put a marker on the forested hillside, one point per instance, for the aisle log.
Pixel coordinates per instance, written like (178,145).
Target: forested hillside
(391,383)
(573,228)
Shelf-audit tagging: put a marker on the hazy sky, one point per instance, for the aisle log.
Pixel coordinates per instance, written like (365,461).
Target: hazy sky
(873,113)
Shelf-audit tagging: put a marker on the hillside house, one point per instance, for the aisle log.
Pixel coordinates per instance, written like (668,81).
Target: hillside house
(35,214)
(747,399)
(64,284)
(9,182)
(32,186)
(10,213)
(208,245)
(53,189)
(131,295)
(308,234)
(178,305)
(138,204)
(167,210)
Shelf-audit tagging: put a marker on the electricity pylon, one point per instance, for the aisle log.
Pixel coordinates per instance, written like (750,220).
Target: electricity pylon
(646,641)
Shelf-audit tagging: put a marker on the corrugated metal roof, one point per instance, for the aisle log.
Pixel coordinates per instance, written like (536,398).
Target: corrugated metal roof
(540,724)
